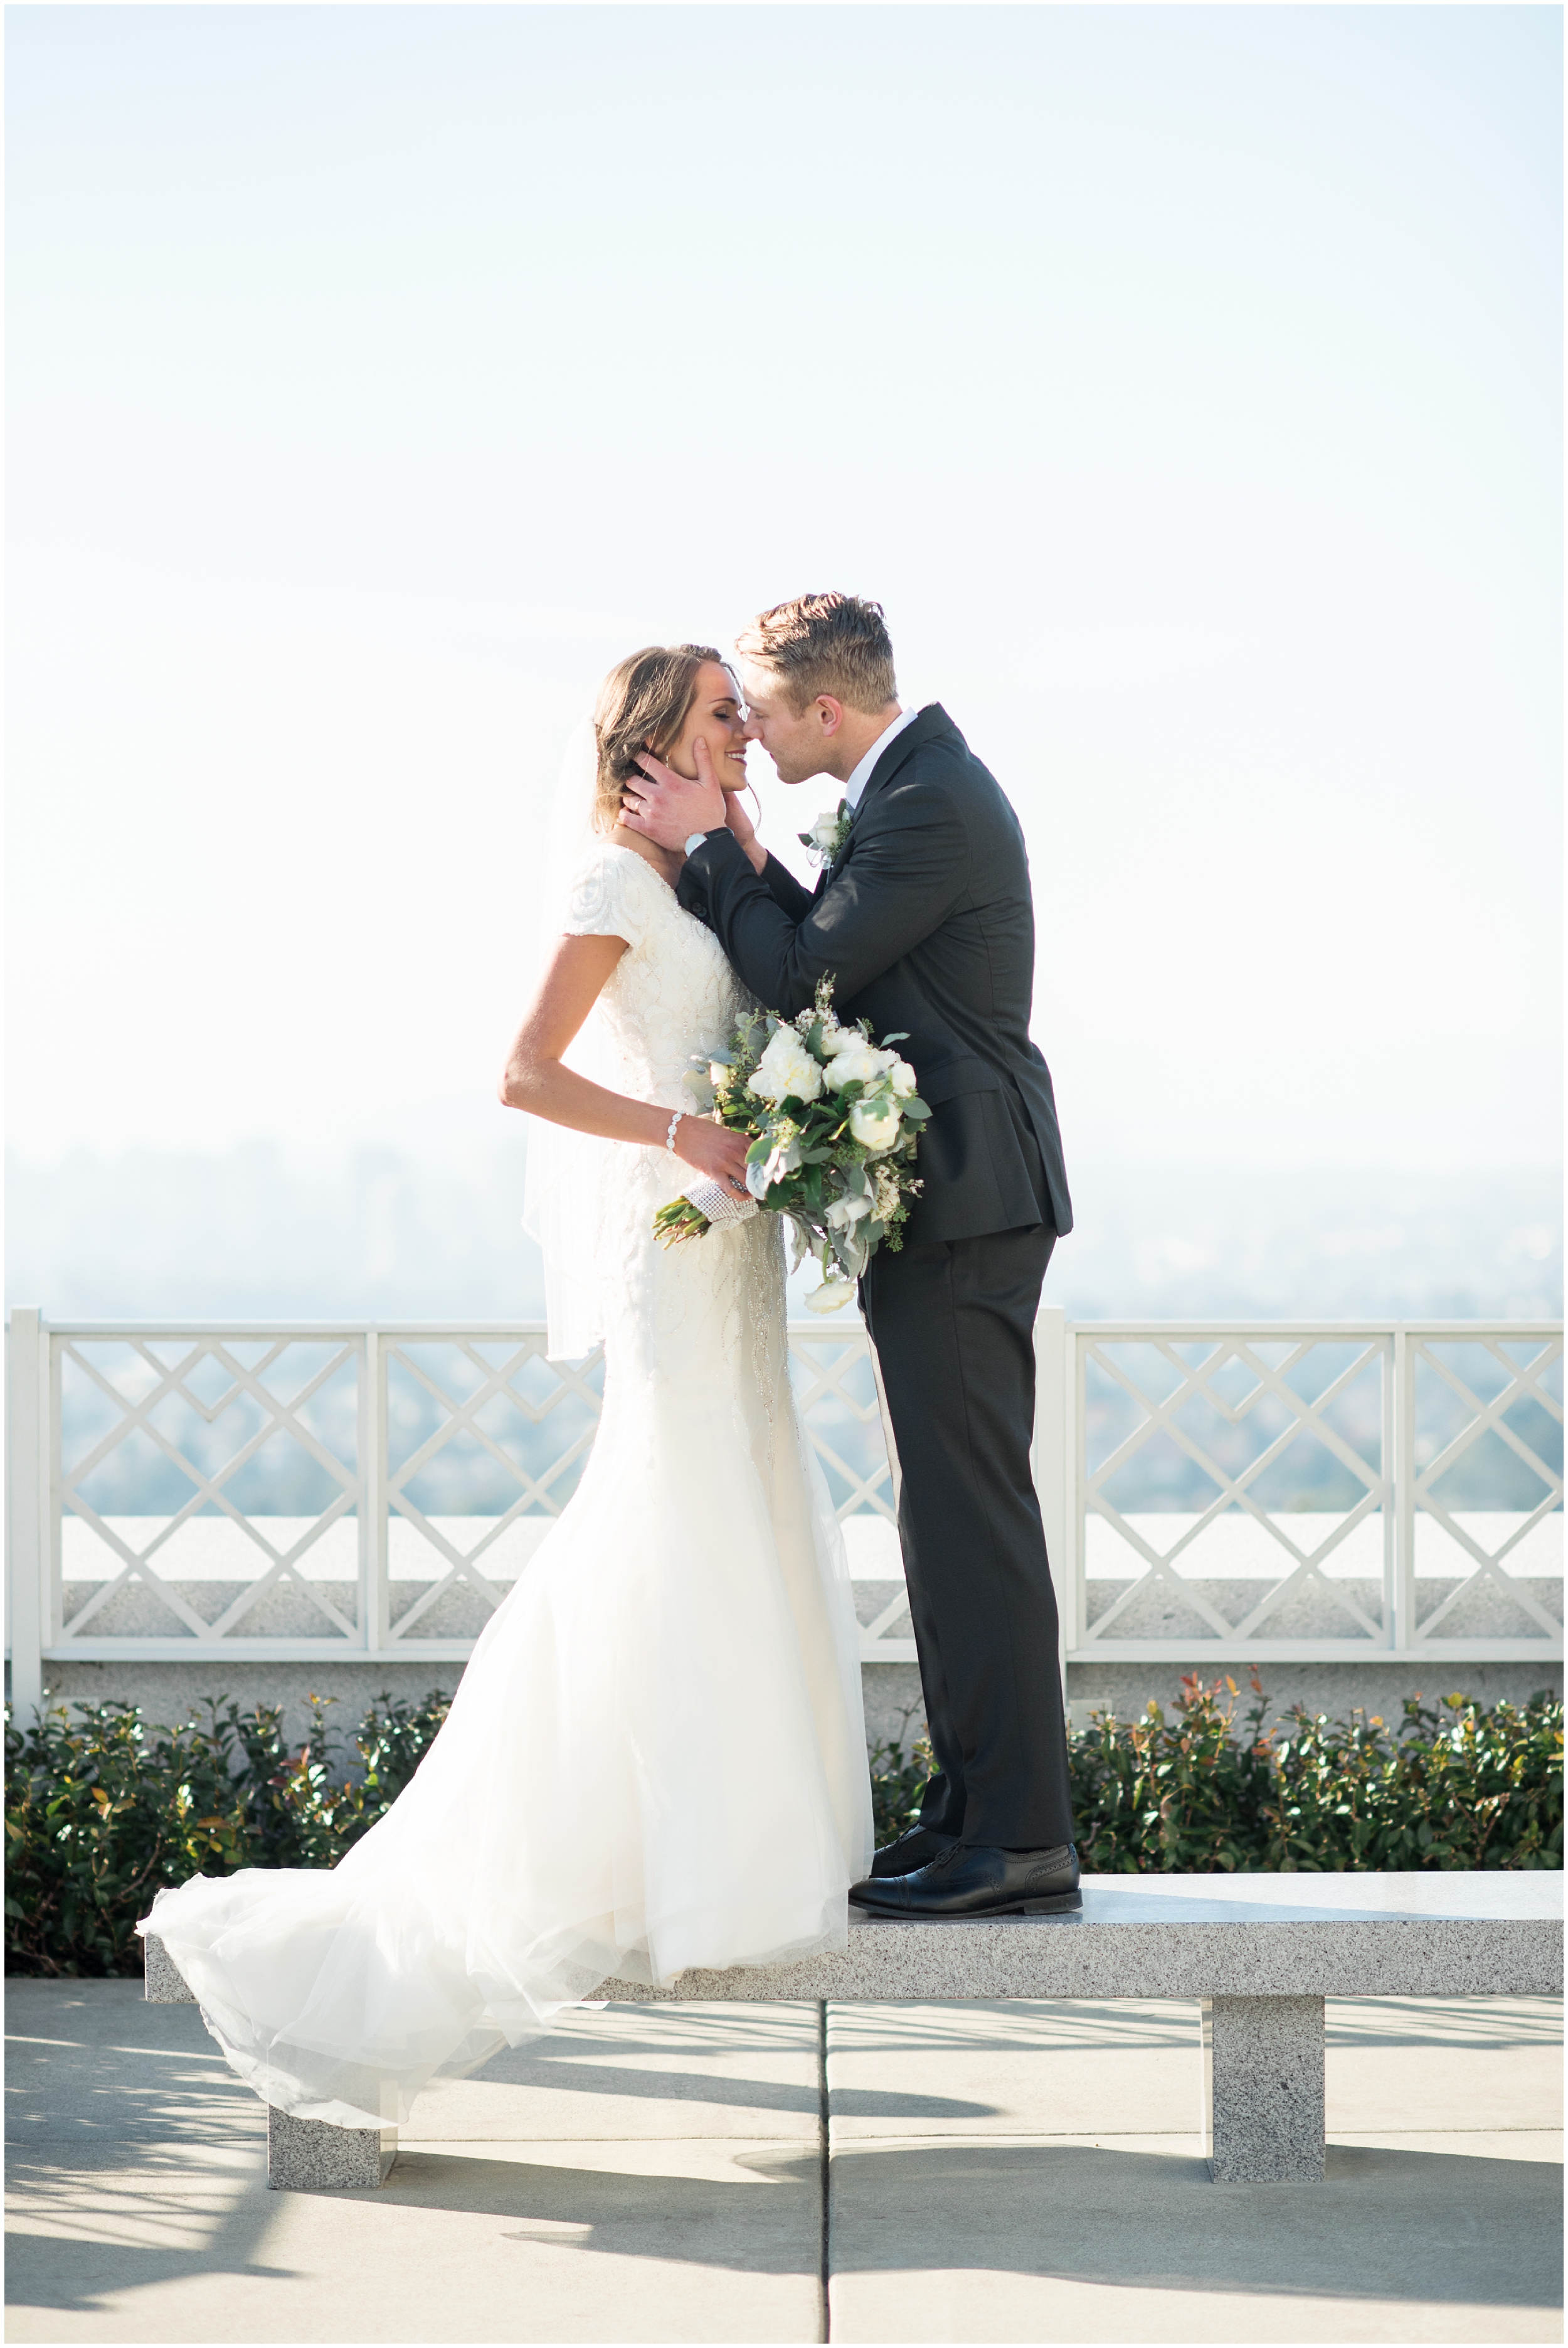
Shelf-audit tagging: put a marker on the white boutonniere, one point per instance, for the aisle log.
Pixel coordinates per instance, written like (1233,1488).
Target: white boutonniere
(827,835)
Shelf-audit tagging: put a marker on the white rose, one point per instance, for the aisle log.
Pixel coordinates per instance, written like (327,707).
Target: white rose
(859,1064)
(846,1213)
(719,1074)
(760,1179)
(787,1070)
(875,1123)
(835,1038)
(903,1079)
(824,830)
(830,1295)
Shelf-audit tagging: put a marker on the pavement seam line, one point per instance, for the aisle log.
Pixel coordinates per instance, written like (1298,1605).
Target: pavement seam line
(825,2326)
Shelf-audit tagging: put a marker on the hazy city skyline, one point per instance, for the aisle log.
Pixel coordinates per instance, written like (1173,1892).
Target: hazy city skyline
(378,376)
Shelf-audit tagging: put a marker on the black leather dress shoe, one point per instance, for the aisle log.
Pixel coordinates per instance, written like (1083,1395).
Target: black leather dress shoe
(915,1848)
(977,1879)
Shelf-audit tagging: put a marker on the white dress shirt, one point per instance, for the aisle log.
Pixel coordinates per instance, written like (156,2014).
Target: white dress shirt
(862,774)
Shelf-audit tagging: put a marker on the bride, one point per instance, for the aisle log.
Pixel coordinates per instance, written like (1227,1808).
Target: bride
(656,1757)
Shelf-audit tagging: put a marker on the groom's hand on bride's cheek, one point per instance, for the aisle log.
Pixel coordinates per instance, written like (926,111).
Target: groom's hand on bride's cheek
(668,808)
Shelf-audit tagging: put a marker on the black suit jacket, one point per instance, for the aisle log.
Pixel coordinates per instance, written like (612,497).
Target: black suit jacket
(927,924)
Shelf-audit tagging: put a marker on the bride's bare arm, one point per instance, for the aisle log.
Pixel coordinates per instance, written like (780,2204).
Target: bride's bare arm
(535,1079)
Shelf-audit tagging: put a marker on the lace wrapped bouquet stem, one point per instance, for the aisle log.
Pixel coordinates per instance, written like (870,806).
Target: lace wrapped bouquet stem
(834,1122)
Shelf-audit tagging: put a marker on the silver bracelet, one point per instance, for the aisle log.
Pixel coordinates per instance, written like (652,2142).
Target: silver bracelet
(669,1136)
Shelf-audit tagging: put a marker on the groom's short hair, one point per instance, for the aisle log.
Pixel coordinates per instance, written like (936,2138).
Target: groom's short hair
(824,644)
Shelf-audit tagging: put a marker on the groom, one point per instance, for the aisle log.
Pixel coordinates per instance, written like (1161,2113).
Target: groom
(925,920)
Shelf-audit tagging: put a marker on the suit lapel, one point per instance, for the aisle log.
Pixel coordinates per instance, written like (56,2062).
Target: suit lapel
(932,722)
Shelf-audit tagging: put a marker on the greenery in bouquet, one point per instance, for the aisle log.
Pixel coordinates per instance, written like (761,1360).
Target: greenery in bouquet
(833,1121)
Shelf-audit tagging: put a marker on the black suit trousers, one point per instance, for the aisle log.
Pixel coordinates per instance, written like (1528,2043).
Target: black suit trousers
(953,1325)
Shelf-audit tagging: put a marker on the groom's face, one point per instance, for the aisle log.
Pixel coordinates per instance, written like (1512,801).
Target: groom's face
(795,742)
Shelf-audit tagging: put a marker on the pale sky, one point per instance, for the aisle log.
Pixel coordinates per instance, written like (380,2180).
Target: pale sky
(1184,381)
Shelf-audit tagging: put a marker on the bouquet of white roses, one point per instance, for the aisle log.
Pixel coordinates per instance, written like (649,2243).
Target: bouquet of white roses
(835,1122)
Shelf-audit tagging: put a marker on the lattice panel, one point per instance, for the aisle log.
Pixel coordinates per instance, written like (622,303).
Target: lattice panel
(298,1489)
(1235,1487)
(482,1433)
(1486,1479)
(835,1394)
(208,1487)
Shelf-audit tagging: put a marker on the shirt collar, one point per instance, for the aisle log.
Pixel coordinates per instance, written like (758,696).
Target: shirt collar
(862,774)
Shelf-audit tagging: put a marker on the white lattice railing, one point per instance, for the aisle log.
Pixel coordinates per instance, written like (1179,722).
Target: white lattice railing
(1250,1491)
(1211,1492)
(201,1493)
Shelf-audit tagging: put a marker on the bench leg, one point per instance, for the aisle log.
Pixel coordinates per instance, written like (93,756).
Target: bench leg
(1263,2090)
(164,1983)
(303,2155)
(311,2155)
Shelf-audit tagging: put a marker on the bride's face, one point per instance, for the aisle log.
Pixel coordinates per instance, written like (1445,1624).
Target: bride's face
(714,717)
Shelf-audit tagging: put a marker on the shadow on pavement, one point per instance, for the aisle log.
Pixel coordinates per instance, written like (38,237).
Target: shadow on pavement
(1391,2225)
(70,2243)
(691,2087)
(1409,2225)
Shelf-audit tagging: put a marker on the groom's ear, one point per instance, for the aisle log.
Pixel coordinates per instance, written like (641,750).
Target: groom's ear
(829,713)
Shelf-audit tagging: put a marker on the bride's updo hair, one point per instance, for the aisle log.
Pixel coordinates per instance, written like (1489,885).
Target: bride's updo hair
(643,704)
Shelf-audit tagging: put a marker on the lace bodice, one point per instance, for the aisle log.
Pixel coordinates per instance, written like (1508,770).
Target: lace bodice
(696,1311)
(671,994)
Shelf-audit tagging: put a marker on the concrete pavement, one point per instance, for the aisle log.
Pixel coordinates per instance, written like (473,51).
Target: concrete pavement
(998,2173)
(1073,2204)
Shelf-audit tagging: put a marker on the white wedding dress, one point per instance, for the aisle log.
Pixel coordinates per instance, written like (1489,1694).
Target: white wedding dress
(656,1759)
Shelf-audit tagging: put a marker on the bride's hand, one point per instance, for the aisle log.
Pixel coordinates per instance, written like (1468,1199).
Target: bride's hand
(738,816)
(712,1149)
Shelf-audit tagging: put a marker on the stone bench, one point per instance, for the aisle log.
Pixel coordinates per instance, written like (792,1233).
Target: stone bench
(1259,1953)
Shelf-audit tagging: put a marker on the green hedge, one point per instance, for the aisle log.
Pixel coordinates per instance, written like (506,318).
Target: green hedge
(102,1808)
(1460,1786)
